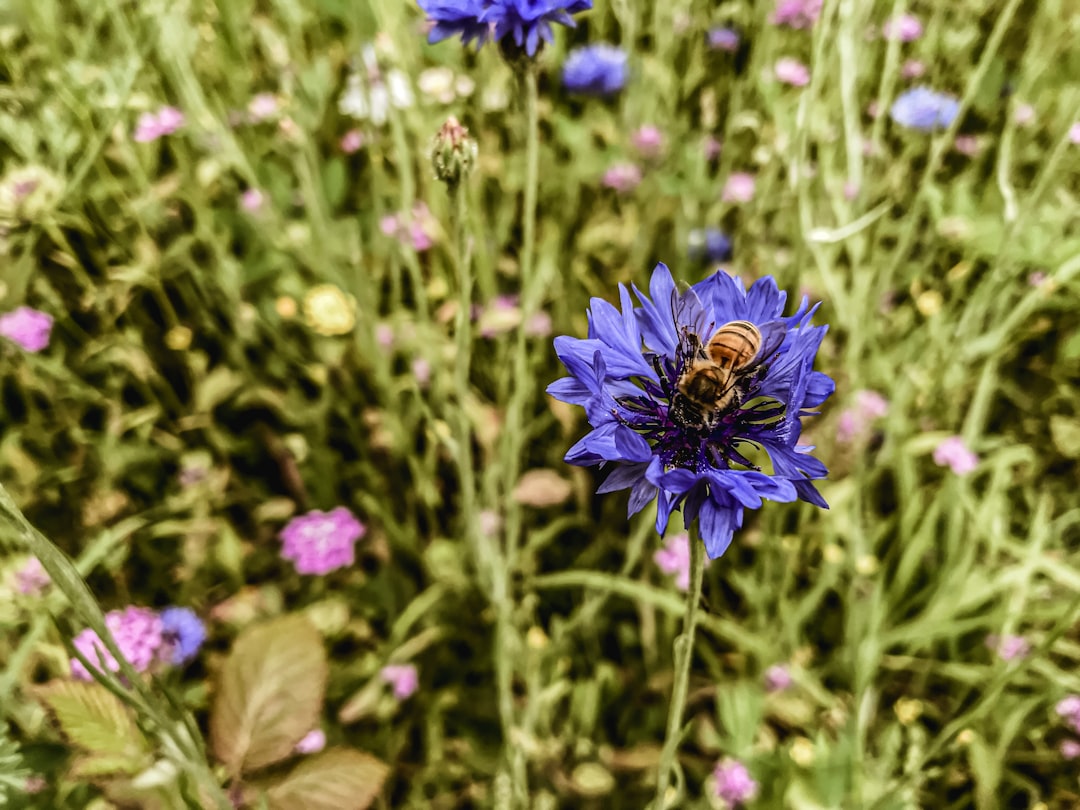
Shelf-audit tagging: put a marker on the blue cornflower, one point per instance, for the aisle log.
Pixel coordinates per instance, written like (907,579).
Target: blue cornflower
(595,70)
(722,39)
(924,109)
(708,244)
(183,634)
(629,376)
(525,21)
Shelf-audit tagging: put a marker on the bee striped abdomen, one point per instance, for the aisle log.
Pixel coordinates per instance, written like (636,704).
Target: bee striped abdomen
(734,344)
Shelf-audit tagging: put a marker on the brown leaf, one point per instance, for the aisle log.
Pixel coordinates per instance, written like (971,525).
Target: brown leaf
(337,779)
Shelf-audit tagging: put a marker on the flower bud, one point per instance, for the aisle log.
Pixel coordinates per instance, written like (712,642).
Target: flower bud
(453,152)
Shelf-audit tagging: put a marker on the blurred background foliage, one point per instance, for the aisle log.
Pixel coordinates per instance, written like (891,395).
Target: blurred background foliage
(188,404)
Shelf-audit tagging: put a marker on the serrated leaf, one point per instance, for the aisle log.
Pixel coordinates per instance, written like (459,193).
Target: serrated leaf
(338,779)
(98,765)
(95,720)
(269,693)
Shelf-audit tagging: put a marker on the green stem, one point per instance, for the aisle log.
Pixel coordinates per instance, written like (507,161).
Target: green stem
(684,654)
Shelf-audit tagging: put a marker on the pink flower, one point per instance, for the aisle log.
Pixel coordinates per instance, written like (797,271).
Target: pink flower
(137,632)
(912,69)
(1036,278)
(1074,133)
(777,678)
(1008,648)
(966,145)
(252,200)
(797,13)
(851,190)
(31,579)
(312,743)
(1068,707)
(712,147)
(30,328)
(538,325)
(739,188)
(905,28)
(674,559)
(1070,749)
(734,785)
(384,335)
(262,106)
(855,421)
(416,229)
(622,177)
(648,140)
(320,542)
(421,370)
(403,677)
(792,71)
(351,141)
(1024,115)
(953,453)
(152,126)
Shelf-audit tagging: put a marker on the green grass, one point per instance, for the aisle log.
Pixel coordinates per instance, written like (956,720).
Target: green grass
(545,647)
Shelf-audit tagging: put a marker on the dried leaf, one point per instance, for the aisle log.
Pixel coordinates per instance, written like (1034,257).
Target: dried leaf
(338,779)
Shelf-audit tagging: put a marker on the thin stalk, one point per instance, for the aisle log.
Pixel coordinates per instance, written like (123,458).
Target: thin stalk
(684,654)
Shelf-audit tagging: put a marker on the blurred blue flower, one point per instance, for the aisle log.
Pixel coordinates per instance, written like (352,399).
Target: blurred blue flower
(708,244)
(525,21)
(183,634)
(722,39)
(595,70)
(924,109)
(627,376)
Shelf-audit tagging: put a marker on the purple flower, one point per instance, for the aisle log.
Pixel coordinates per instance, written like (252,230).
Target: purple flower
(320,542)
(595,70)
(777,678)
(792,71)
(31,579)
(182,634)
(734,784)
(722,39)
(924,109)
(659,443)
(402,677)
(28,327)
(312,743)
(152,126)
(905,28)
(739,188)
(524,22)
(955,454)
(1070,749)
(708,244)
(622,177)
(648,140)
(797,13)
(137,632)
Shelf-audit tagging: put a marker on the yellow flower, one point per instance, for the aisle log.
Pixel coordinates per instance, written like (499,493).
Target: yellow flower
(329,311)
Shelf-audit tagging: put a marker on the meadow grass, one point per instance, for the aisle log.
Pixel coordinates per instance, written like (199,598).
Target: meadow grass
(188,404)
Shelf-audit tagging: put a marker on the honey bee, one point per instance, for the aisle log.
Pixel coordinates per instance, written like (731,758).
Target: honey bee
(716,376)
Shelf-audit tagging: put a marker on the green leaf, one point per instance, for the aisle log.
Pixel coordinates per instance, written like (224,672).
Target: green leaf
(95,720)
(269,693)
(337,779)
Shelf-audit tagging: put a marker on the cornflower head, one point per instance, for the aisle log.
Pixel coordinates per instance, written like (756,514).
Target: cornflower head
(708,244)
(924,109)
(320,542)
(677,425)
(521,23)
(137,632)
(182,634)
(595,70)
(722,39)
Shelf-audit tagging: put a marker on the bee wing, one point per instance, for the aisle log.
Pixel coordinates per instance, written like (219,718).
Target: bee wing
(772,336)
(689,316)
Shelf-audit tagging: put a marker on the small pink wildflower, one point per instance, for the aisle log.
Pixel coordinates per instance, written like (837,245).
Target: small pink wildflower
(252,200)
(1024,115)
(712,147)
(855,421)
(734,784)
(421,370)
(403,678)
(966,145)
(674,559)
(312,743)
(351,141)
(31,579)
(912,69)
(29,328)
(953,453)
(538,325)
(1070,749)
(262,107)
(648,140)
(1008,647)
(777,678)
(1074,133)
(1068,708)
(739,188)
(797,13)
(851,190)
(1036,278)
(384,335)
(622,177)
(792,71)
(35,784)
(417,229)
(905,28)
(152,126)
(320,542)
(137,632)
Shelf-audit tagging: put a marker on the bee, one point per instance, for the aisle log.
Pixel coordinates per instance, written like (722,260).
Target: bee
(717,375)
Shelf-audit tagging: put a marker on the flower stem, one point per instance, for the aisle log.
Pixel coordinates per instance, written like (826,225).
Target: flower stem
(684,654)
